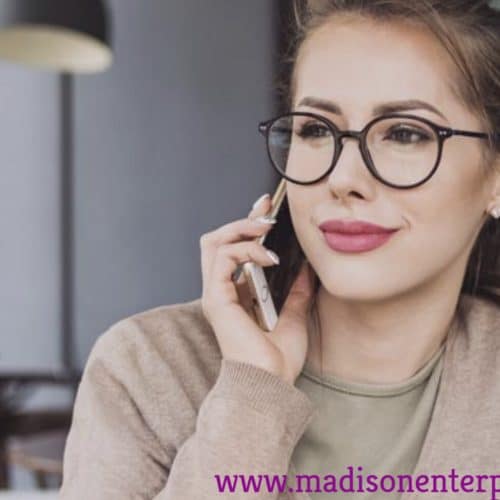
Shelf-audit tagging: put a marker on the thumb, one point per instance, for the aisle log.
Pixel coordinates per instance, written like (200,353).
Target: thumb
(296,305)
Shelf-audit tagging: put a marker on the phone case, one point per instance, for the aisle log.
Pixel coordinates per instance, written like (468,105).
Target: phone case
(262,300)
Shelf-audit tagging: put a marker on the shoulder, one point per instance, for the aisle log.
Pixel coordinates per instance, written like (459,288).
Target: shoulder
(144,381)
(480,323)
(160,346)
(475,350)
(163,328)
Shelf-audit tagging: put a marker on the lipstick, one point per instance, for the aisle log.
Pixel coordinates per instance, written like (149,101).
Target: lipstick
(355,236)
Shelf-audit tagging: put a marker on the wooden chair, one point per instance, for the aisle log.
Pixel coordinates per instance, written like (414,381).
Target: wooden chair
(41,456)
(20,426)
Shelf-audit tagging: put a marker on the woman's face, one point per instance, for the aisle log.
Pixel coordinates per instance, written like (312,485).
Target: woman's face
(359,65)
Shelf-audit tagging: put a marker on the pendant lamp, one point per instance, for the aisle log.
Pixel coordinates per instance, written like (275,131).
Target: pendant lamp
(71,36)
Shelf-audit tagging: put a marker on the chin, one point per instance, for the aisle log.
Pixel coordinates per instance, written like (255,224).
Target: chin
(351,284)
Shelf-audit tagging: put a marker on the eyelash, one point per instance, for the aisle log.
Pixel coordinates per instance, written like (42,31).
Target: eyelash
(395,129)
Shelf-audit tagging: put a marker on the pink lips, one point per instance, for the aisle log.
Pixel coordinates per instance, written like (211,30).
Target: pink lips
(355,236)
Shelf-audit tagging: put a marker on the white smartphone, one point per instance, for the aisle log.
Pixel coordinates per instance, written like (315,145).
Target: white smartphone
(262,300)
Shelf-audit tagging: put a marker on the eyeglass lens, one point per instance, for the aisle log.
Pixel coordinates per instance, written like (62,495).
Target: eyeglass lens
(403,151)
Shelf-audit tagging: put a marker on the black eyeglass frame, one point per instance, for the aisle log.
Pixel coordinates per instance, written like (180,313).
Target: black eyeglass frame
(442,133)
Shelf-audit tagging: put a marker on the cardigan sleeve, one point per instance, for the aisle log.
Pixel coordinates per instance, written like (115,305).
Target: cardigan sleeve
(247,425)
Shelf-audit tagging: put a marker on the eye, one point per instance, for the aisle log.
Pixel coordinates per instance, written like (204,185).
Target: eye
(313,130)
(407,135)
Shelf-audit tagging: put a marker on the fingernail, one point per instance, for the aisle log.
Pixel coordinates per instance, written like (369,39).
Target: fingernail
(273,256)
(260,200)
(265,219)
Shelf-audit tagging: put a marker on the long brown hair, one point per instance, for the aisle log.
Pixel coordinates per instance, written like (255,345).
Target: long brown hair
(470,32)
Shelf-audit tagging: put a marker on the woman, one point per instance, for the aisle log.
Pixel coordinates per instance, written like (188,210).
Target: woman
(386,368)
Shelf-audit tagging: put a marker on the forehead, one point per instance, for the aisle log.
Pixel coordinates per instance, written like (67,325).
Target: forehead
(360,63)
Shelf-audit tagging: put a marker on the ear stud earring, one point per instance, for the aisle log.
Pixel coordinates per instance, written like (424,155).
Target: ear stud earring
(495,212)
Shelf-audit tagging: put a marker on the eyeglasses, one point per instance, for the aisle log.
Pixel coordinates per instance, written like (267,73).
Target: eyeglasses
(400,150)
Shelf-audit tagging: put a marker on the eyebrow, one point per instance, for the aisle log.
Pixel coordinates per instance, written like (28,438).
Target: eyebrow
(380,109)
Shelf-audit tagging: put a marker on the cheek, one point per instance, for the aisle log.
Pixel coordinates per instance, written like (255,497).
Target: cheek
(456,189)
(444,214)
(300,207)
(298,215)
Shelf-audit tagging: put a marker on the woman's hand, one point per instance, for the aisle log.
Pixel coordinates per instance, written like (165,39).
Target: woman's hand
(281,351)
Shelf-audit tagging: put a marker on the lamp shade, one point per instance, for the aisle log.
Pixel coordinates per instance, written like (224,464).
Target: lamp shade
(64,35)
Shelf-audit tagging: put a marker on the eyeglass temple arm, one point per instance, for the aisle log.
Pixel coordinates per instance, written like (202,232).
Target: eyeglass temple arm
(482,135)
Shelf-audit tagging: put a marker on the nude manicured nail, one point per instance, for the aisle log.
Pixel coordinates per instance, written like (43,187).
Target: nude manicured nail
(265,219)
(273,256)
(260,200)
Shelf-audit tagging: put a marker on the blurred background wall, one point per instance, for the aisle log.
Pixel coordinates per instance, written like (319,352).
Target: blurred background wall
(166,148)
(29,219)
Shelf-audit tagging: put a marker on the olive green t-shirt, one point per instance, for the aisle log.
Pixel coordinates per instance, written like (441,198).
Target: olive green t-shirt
(379,427)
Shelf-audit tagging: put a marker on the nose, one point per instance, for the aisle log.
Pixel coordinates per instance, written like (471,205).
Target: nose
(350,175)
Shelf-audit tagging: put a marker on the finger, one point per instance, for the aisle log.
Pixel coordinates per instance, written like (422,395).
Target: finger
(242,229)
(227,259)
(232,232)
(262,206)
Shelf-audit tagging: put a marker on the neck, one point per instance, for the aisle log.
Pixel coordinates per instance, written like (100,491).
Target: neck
(382,341)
